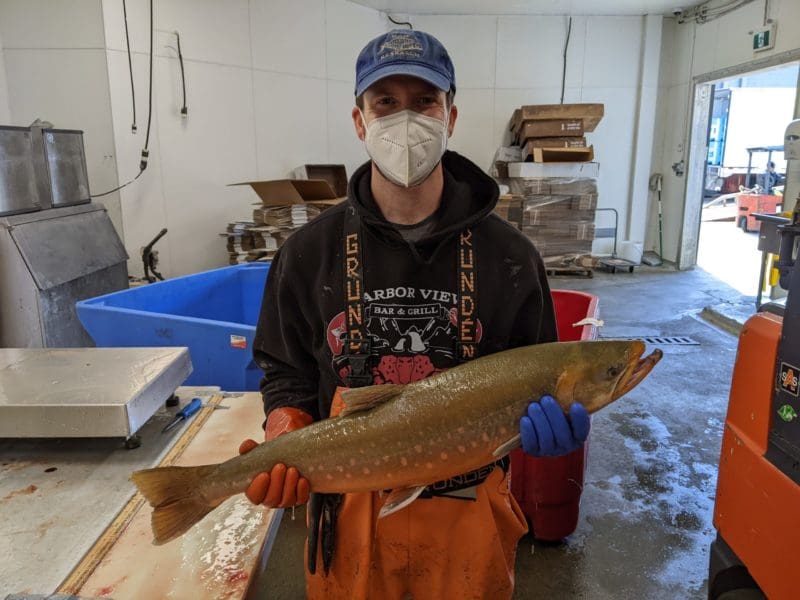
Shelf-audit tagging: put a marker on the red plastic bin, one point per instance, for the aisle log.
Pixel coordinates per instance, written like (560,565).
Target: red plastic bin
(549,489)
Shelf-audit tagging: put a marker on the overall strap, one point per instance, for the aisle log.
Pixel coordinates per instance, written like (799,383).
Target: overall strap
(357,345)
(467,344)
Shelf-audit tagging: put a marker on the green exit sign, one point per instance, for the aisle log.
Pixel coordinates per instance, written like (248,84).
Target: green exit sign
(764,39)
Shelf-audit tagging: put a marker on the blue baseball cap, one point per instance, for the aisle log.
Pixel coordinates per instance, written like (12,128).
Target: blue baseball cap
(405,52)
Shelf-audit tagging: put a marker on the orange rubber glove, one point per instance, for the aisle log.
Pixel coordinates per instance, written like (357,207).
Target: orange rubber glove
(282,487)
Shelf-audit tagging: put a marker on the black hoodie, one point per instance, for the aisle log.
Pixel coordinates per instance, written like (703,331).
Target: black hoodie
(411,292)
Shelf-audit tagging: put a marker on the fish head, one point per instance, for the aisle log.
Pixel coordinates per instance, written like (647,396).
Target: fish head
(607,370)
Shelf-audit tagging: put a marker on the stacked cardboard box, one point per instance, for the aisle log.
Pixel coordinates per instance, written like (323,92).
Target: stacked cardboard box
(286,205)
(241,242)
(556,213)
(508,208)
(248,241)
(555,132)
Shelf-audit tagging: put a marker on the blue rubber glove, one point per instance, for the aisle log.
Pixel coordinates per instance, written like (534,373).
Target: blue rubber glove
(545,430)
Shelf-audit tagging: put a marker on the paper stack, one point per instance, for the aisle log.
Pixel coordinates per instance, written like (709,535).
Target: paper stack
(286,205)
(556,213)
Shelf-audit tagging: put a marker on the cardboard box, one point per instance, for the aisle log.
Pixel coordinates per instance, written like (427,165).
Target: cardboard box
(578,202)
(580,193)
(509,209)
(567,234)
(571,170)
(503,156)
(336,175)
(590,114)
(551,155)
(529,186)
(573,187)
(508,154)
(583,202)
(555,142)
(539,200)
(278,192)
(551,142)
(550,128)
(556,219)
(550,246)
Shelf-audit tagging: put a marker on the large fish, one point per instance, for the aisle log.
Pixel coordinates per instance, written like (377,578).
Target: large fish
(404,437)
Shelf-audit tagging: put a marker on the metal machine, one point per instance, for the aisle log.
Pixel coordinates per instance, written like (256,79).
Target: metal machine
(49,260)
(758,490)
(60,162)
(19,191)
(56,247)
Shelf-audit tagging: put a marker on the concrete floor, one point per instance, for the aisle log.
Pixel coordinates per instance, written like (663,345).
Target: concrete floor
(730,254)
(645,523)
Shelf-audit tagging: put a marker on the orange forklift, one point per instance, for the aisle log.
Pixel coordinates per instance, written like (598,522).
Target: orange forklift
(748,205)
(757,512)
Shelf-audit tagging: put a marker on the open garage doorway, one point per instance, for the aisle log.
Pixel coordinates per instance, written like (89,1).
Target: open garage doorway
(744,169)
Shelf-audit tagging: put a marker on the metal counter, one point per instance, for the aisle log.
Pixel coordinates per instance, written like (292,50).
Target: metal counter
(85,392)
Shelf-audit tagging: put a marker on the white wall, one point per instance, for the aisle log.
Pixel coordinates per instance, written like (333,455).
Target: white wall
(5,112)
(503,62)
(690,50)
(55,69)
(269,88)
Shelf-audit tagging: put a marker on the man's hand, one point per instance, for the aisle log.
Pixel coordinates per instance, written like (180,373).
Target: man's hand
(280,488)
(546,431)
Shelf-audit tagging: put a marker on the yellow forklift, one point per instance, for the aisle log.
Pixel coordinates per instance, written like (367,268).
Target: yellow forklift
(757,511)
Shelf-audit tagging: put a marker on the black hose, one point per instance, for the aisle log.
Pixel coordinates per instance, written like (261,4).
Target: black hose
(564,72)
(150,91)
(184,109)
(116,189)
(145,150)
(410,26)
(130,64)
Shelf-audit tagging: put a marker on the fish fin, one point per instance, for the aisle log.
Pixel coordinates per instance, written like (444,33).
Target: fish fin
(173,493)
(399,499)
(503,449)
(176,518)
(366,398)
(565,388)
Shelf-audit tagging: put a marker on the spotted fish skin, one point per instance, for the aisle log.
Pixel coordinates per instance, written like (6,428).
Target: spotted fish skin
(406,436)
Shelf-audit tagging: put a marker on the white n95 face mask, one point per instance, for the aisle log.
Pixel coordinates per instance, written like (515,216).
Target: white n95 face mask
(406,146)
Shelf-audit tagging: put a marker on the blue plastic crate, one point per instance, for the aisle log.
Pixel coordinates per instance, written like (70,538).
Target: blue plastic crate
(213,313)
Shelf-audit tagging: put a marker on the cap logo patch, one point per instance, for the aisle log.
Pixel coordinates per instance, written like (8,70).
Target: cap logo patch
(400,45)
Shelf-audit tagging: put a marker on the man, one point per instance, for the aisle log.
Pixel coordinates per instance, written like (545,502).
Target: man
(411,276)
(771,178)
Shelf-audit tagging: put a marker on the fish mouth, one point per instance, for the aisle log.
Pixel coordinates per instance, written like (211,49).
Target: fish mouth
(636,372)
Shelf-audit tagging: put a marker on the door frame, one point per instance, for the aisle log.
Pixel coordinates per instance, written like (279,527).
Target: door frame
(701,87)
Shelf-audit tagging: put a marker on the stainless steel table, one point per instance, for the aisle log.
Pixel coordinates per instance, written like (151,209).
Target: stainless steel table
(85,392)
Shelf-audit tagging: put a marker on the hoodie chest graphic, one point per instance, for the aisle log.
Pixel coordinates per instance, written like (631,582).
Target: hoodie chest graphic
(412,333)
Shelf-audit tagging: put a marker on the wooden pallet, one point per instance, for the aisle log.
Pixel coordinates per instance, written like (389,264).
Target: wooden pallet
(568,271)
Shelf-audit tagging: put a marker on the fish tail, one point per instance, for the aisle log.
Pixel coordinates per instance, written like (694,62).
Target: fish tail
(174,494)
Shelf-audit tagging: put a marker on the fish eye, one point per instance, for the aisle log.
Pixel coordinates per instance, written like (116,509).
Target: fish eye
(613,371)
